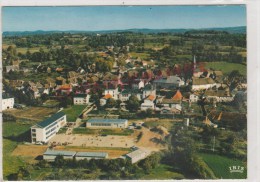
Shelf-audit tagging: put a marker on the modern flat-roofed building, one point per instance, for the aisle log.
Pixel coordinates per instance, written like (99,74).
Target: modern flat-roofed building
(107,123)
(136,155)
(91,155)
(45,130)
(50,155)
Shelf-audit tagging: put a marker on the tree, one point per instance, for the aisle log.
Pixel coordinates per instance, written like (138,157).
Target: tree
(150,162)
(59,161)
(133,103)
(111,103)
(233,79)
(66,101)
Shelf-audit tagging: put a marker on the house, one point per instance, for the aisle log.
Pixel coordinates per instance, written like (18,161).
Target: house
(136,155)
(11,68)
(91,155)
(177,96)
(81,99)
(36,93)
(18,84)
(107,123)
(218,95)
(194,97)
(168,82)
(103,100)
(148,103)
(113,91)
(202,83)
(65,89)
(7,103)
(149,90)
(138,84)
(45,130)
(170,104)
(126,93)
(60,80)
(50,155)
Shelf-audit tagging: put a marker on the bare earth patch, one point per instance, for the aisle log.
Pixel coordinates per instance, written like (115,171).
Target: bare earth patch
(29,150)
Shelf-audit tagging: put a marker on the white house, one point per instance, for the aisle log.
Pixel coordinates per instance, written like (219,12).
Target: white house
(136,155)
(7,103)
(138,84)
(103,100)
(202,83)
(81,99)
(45,130)
(124,95)
(218,95)
(107,123)
(148,103)
(194,97)
(113,92)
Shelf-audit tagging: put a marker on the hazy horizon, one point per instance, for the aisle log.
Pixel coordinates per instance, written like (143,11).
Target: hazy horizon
(124,29)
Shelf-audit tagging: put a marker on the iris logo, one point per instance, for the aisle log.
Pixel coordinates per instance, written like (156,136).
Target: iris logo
(236,169)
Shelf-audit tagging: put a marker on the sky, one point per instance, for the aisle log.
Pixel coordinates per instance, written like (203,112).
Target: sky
(91,18)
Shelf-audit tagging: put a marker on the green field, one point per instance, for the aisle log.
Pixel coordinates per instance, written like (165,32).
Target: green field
(142,55)
(227,67)
(73,112)
(32,50)
(220,166)
(162,172)
(88,131)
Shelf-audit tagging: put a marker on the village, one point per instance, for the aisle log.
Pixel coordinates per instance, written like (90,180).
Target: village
(118,106)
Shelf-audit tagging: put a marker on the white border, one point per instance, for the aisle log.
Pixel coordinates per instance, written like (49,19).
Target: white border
(253,29)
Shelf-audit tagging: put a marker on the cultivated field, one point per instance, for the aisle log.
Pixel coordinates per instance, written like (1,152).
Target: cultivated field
(32,113)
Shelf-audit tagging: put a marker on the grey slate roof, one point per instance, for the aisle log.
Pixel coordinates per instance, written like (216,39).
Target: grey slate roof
(81,95)
(92,154)
(135,153)
(59,152)
(170,80)
(107,120)
(51,119)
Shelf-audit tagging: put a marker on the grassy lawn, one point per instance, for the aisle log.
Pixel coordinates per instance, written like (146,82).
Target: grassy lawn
(167,123)
(12,163)
(51,103)
(226,67)
(162,172)
(62,130)
(220,166)
(88,131)
(73,112)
